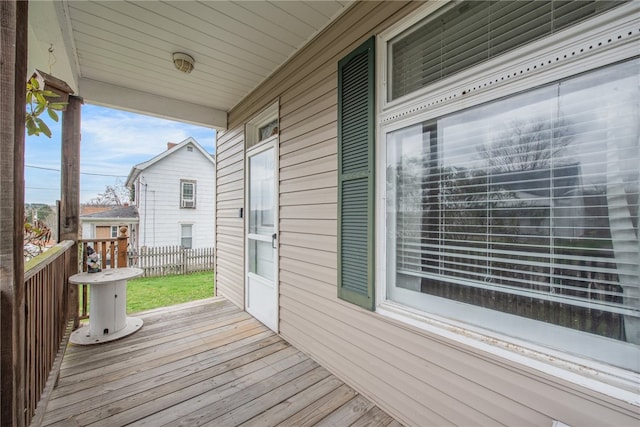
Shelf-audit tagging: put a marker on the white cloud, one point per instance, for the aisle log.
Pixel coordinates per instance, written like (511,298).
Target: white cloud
(112,143)
(118,135)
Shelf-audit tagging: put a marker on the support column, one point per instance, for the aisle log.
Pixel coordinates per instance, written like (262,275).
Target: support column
(70,190)
(13,73)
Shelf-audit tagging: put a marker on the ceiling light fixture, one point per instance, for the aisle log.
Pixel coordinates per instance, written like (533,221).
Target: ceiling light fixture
(183,62)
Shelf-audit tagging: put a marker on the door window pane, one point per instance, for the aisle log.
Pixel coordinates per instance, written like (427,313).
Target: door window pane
(261,193)
(261,258)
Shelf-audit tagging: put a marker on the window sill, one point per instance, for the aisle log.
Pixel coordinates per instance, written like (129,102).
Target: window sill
(614,382)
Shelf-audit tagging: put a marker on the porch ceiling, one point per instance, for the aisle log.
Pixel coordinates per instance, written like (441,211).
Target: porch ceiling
(119,54)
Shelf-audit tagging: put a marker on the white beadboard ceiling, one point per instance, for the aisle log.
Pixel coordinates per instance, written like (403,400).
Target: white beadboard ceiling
(118,53)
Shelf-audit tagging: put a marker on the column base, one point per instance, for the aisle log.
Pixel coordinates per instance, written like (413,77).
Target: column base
(82,335)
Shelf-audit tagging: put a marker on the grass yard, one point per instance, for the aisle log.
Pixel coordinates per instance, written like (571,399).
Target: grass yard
(152,292)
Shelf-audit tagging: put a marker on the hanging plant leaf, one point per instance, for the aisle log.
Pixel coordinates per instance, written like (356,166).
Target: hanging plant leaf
(52,114)
(42,126)
(38,100)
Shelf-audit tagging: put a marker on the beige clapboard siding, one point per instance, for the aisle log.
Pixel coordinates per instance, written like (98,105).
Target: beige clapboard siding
(312,256)
(378,369)
(328,131)
(313,122)
(461,369)
(315,211)
(300,116)
(307,270)
(227,239)
(229,204)
(310,197)
(228,213)
(234,187)
(238,157)
(230,232)
(322,180)
(321,83)
(229,225)
(230,248)
(327,227)
(234,177)
(360,380)
(302,240)
(230,142)
(227,196)
(320,93)
(311,167)
(466,377)
(322,149)
(230,169)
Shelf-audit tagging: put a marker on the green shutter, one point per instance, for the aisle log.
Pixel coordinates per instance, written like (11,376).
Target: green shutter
(356,166)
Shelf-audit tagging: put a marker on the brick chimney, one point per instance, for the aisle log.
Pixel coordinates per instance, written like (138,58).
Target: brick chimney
(170,145)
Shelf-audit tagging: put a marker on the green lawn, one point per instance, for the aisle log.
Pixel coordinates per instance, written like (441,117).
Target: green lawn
(152,292)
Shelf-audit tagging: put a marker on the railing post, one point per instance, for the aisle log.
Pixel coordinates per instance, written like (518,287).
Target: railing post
(122,248)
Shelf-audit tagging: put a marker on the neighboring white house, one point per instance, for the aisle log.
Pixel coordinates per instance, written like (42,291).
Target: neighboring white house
(174,194)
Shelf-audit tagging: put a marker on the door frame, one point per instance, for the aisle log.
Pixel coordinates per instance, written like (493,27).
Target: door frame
(269,143)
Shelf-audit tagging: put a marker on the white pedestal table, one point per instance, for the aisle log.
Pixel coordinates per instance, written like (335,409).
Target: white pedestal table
(108,319)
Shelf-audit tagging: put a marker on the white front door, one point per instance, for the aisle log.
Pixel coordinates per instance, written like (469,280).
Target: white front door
(261,294)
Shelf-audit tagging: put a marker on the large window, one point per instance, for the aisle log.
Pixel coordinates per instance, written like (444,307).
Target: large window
(527,205)
(517,214)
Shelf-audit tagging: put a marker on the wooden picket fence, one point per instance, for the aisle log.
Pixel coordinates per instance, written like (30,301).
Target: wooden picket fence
(171,260)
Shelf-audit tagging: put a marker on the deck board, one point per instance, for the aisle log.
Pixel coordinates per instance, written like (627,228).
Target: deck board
(202,363)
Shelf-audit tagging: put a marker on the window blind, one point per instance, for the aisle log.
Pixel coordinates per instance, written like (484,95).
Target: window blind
(474,31)
(528,200)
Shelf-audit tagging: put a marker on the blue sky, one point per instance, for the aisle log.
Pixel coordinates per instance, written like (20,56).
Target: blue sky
(113,141)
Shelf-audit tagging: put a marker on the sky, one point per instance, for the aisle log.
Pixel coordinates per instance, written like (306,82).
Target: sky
(113,141)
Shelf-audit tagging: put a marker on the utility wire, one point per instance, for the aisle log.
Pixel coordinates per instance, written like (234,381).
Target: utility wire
(81,173)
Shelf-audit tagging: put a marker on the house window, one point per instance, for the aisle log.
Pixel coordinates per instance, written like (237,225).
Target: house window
(460,36)
(114,231)
(186,236)
(519,214)
(263,126)
(187,194)
(268,130)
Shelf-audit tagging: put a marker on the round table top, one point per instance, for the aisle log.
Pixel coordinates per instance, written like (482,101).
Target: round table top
(107,275)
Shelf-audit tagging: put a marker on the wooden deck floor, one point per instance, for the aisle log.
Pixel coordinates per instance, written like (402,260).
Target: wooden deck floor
(202,363)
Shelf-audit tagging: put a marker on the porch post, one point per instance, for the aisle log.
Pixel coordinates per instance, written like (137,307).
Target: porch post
(70,190)
(13,73)
(122,247)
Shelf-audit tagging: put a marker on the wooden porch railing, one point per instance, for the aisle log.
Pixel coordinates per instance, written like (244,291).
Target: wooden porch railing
(47,322)
(112,253)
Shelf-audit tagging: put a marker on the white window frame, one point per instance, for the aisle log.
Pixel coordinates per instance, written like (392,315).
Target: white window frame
(252,128)
(184,202)
(114,231)
(600,41)
(181,225)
